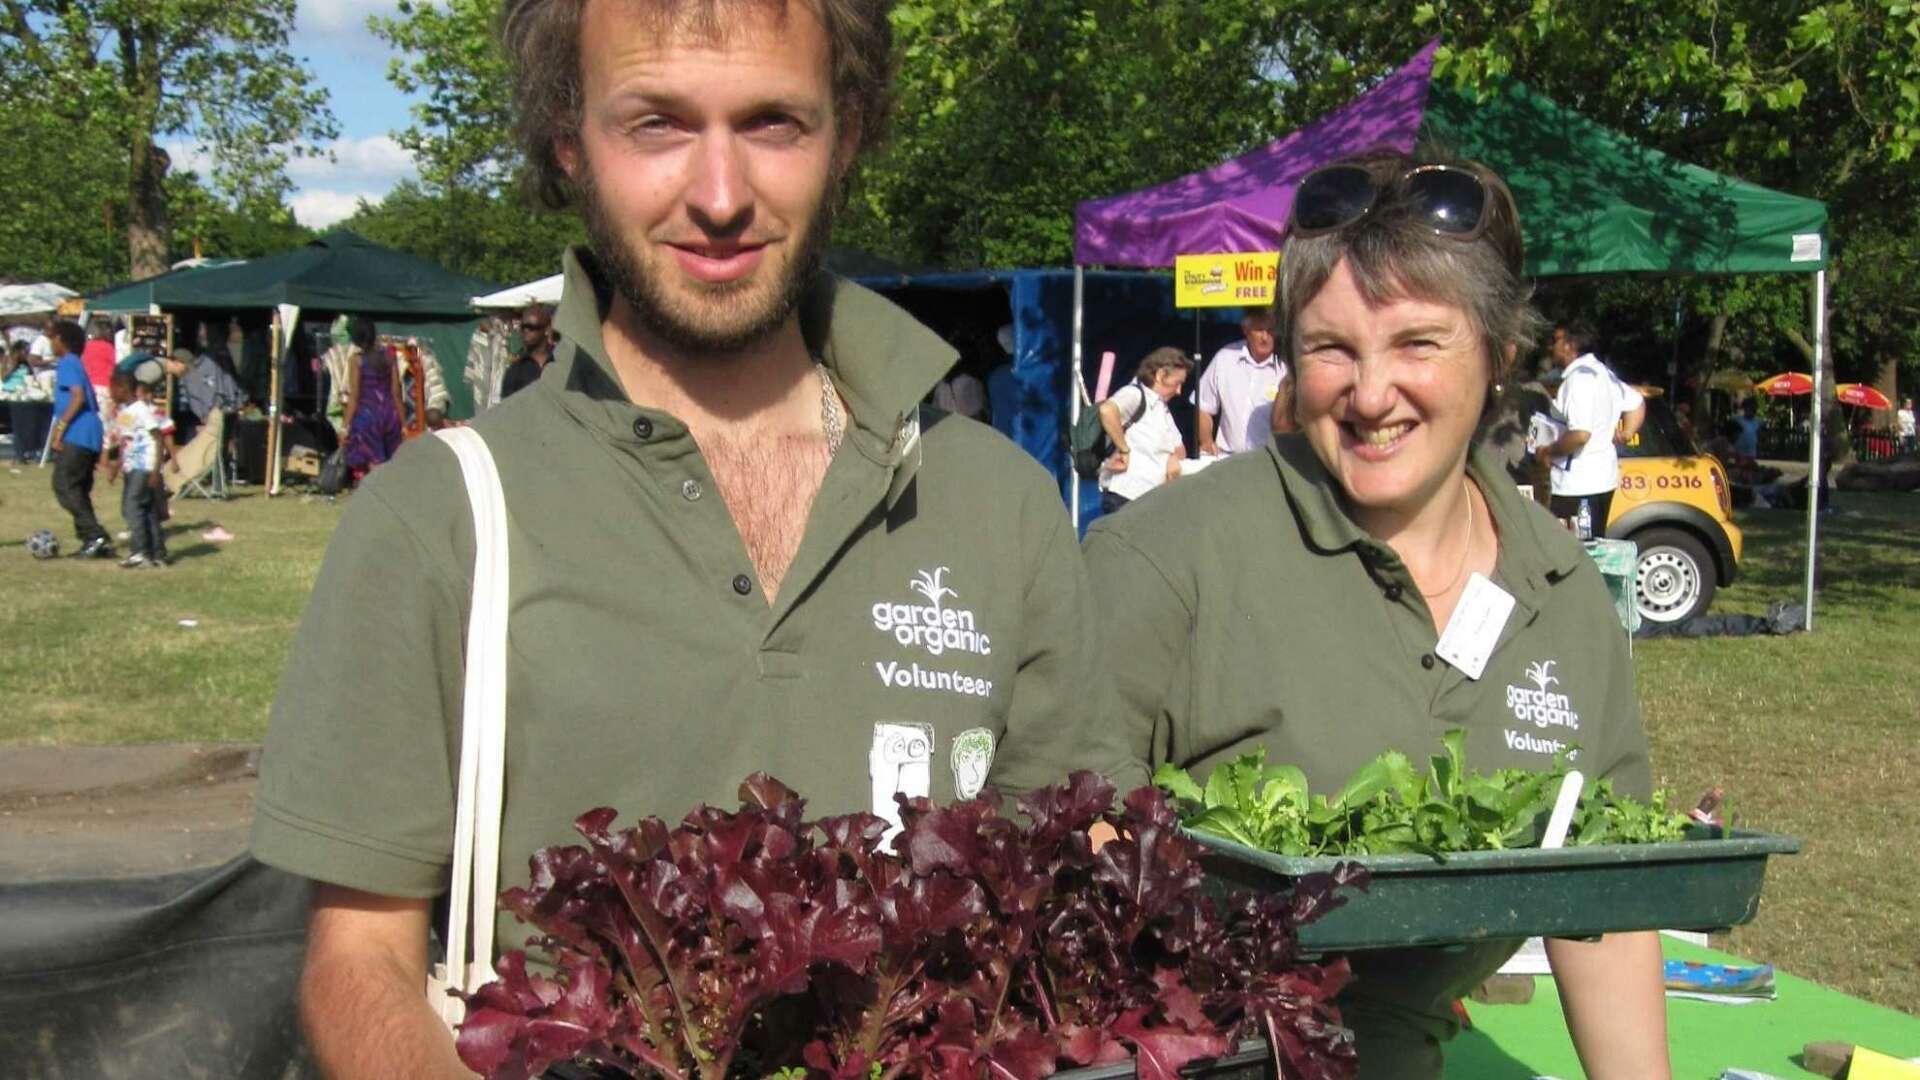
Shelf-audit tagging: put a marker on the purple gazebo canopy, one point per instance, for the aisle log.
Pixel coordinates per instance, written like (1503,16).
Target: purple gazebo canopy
(1242,204)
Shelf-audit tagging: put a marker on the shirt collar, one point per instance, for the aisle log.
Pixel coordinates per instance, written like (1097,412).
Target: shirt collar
(1245,354)
(1533,547)
(882,361)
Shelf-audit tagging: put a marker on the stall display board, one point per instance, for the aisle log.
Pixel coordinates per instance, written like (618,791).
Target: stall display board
(1242,279)
(153,335)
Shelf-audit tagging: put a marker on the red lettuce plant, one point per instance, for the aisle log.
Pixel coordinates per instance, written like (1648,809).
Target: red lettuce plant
(756,943)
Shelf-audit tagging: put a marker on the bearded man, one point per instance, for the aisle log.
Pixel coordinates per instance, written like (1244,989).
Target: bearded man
(737,543)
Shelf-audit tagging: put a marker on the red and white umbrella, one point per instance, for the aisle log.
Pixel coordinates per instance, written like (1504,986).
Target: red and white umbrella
(1785,384)
(1853,393)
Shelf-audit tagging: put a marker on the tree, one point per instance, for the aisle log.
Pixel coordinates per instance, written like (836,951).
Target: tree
(215,71)
(1011,113)
(499,238)
(204,223)
(461,132)
(1820,100)
(64,187)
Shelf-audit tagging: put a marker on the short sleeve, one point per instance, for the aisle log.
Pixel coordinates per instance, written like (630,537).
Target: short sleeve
(1054,724)
(356,781)
(1630,397)
(1129,404)
(1146,634)
(1210,386)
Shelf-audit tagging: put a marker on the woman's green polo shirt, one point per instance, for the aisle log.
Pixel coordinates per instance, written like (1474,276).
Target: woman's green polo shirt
(1243,608)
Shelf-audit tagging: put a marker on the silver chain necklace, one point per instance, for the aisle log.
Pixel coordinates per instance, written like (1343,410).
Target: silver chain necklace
(832,421)
(1466,550)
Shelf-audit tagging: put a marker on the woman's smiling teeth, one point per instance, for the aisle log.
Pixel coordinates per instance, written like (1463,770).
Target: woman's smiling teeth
(1382,437)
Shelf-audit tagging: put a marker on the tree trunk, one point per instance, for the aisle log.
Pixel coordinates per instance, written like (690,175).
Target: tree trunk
(149,233)
(1706,418)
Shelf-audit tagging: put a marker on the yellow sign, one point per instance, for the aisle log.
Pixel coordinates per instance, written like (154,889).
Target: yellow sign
(1246,279)
(1868,1065)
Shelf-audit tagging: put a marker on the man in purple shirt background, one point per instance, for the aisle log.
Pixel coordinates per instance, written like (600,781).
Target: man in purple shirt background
(1239,388)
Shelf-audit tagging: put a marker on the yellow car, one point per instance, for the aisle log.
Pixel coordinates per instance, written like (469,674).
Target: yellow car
(1675,504)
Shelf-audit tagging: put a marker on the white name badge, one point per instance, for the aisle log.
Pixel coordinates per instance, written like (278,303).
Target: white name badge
(1475,627)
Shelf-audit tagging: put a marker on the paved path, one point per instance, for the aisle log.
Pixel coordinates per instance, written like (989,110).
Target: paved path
(113,811)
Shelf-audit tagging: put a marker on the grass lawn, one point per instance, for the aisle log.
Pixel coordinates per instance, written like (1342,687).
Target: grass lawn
(77,632)
(1814,735)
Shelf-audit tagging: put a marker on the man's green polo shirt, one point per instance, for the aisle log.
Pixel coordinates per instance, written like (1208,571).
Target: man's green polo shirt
(935,620)
(1243,608)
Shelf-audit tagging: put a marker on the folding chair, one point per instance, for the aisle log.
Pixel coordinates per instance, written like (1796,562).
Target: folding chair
(199,460)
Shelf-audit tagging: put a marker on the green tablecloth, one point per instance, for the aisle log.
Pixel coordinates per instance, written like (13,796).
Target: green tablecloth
(1518,1042)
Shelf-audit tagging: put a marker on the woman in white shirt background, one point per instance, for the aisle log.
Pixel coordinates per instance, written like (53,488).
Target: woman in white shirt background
(1147,447)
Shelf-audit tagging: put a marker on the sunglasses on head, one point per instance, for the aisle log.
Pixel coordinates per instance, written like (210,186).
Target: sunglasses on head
(1454,202)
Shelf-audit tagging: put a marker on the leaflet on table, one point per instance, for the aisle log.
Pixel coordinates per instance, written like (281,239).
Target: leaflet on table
(1543,430)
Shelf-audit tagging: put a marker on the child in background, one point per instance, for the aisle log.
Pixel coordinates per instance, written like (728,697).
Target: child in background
(141,431)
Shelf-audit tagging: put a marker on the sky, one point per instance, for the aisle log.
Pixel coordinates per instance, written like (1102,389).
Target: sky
(332,37)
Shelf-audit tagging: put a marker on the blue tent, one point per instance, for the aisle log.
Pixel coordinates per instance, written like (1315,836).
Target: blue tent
(1129,313)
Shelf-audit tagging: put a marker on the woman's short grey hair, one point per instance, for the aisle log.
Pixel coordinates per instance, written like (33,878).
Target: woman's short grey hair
(1159,360)
(1391,255)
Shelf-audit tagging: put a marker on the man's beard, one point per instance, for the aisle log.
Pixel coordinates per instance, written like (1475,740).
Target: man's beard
(713,319)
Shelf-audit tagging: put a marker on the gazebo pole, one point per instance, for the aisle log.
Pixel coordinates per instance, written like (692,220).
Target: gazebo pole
(1814,463)
(273,410)
(1074,391)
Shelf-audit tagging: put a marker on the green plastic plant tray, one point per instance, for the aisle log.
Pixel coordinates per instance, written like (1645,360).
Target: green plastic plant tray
(1701,883)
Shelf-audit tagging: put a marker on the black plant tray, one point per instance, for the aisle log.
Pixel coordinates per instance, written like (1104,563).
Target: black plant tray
(1706,882)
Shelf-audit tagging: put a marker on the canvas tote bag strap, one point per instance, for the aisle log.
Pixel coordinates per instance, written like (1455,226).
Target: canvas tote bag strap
(483,731)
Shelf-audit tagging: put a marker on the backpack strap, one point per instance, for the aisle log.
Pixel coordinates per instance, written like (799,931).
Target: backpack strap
(1142,410)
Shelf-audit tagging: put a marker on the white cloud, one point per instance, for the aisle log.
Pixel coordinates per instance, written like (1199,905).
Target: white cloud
(321,207)
(370,165)
(334,20)
(373,159)
(188,157)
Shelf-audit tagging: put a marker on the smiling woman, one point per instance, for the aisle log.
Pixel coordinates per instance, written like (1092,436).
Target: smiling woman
(1373,580)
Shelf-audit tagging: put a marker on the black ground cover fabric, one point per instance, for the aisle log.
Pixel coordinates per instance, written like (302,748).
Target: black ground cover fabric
(182,975)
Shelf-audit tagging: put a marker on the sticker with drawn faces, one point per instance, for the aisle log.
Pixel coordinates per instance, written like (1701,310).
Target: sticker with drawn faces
(972,758)
(899,763)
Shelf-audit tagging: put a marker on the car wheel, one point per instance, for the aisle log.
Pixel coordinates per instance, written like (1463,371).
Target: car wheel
(1675,578)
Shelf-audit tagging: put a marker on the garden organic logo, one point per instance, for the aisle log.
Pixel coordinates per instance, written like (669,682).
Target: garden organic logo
(934,626)
(1539,705)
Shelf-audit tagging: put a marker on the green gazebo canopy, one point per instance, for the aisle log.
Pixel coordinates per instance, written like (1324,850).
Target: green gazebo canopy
(1596,202)
(339,271)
